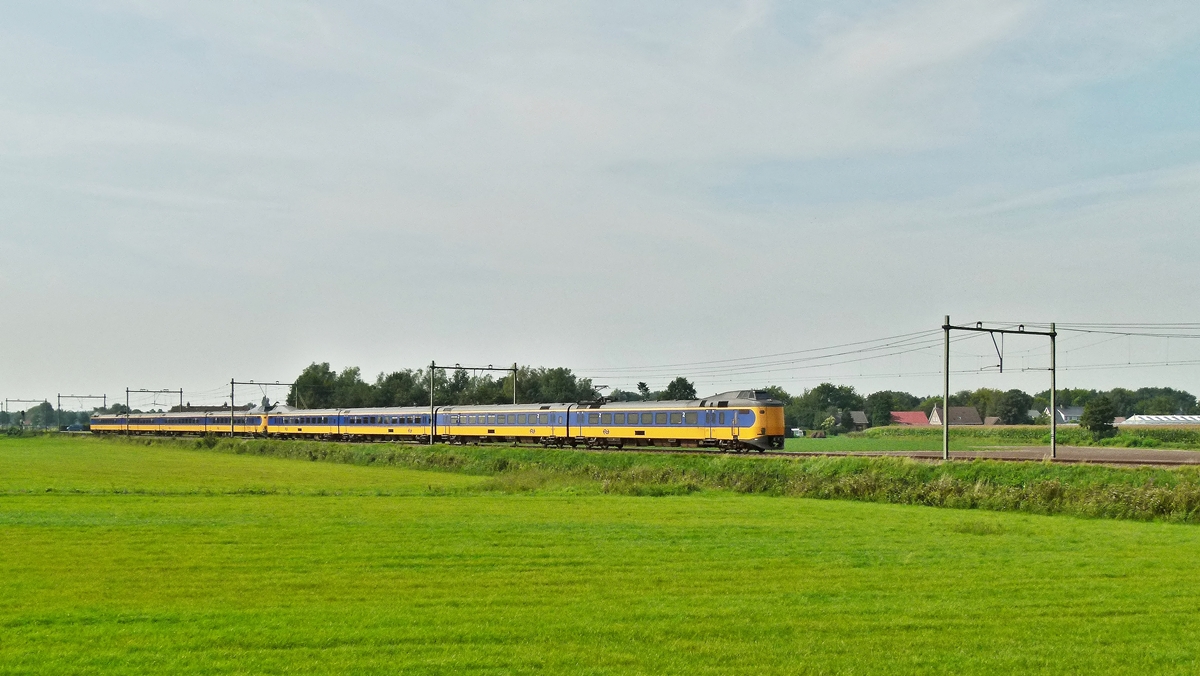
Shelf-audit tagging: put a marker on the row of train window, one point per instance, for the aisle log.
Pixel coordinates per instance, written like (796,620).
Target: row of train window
(240,420)
(387,420)
(351,420)
(649,418)
(510,419)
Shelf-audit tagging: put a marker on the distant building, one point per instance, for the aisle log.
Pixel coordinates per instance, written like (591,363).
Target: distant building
(859,420)
(913,418)
(1162,420)
(991,421)
(959,415)
(1066,414)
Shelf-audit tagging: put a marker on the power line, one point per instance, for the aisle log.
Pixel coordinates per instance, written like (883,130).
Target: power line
(767,356)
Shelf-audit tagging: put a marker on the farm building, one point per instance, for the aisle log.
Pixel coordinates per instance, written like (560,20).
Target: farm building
(859,420)
(911,418)
(959,415)
(1067,414)
(1162,420)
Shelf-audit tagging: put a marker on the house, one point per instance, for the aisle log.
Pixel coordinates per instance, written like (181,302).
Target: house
(1066,414)
(909,418)
(959,415)
(859,420)
(991,421)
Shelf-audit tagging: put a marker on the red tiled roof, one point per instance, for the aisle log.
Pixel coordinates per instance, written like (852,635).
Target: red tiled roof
(909,418)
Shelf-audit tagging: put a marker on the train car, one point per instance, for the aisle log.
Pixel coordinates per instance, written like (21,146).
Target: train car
(521,423)
(179,424)
(106,423)
(732,420)
(361,424)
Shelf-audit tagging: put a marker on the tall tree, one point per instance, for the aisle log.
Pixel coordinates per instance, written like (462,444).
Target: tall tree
(314,387)
(680,389)
(1012,407)
(1098,416)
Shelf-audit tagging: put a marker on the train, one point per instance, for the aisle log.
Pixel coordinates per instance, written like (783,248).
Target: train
(737,421)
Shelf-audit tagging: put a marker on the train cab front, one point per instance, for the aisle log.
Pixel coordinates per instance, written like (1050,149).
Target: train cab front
(760,419)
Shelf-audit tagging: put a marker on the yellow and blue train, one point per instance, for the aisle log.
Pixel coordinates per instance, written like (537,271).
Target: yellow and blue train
(739,420)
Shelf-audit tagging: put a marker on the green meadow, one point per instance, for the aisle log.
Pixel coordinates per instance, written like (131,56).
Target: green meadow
(163,558)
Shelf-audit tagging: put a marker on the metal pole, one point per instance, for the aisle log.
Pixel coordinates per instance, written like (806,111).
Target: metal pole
(181,400)
(514,382)
(1053,395)
(946,391)
(231,394)
(58,412)
(432,414)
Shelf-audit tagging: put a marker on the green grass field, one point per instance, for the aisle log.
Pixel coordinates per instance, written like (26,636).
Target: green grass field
(124,558)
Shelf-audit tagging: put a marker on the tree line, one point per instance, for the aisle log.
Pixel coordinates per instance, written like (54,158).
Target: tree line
(44,416)
(822,407)
(814,408)
(320,386)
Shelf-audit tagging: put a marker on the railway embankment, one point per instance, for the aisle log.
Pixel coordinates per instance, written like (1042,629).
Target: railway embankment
(1141,493)
(1173,437)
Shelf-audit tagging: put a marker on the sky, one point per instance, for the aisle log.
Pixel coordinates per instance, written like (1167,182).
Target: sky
(197,191)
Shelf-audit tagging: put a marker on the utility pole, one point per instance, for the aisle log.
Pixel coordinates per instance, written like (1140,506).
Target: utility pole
(233,393)
(1053,395)
(102,397)
(514,383)
(127,391)
(946,390)
(432,413)
(1052,334)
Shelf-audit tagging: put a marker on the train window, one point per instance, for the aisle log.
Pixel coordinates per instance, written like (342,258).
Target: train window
(676,418)
(605,418)
(512,418)
(691,418)
(593,418)
(660,418)
(491,419)
(544,418)
(618,418)
(520,418)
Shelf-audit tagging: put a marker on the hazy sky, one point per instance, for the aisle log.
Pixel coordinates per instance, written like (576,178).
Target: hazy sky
(195,191)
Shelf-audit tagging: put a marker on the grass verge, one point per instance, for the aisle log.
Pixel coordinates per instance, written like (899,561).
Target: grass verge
(1039,488)
(1182,438)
